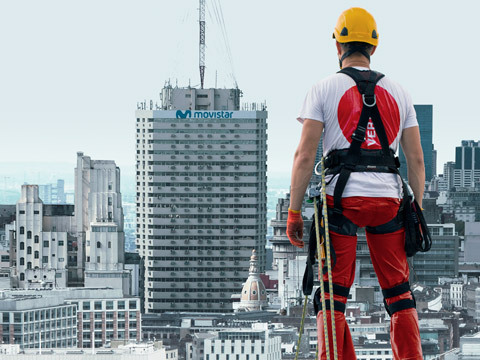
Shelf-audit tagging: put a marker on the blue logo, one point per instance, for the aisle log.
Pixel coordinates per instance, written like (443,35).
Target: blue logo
(204,114)
(184,115)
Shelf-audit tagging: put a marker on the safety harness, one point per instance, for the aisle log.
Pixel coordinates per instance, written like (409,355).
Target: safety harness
(355,159)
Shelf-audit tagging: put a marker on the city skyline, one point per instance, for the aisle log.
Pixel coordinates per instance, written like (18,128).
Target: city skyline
(97,67)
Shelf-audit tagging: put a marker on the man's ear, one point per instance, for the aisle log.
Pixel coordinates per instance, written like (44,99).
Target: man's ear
(339,48)
(373,50)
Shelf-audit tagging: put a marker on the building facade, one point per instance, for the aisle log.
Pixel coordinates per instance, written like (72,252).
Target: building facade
(201,197)
(441,260)
(243,344)
(467,164)
(99,221)
(425,123)
(34,321)
(44,241)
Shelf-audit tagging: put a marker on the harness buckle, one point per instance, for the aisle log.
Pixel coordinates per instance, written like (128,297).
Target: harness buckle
(361,135)
(373,98)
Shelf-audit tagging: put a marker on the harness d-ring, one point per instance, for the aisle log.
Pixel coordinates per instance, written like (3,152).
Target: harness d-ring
(369,105)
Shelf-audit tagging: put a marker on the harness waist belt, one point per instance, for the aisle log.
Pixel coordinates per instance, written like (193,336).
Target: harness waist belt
(369,160)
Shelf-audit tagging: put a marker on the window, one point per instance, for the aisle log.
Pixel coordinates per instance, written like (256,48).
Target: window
(22,261)
(36,255)
(45,243)
(22,230)
(36,212)
(45,260)
(22,277)
(110,184)
(29,250)
(132,305)
(22,245)
(60,242)
(121,305)
(21,212)
(99,244)
(36,239)
(29,234)
(98,305)
(109,200)
(98,259)
(109,244)
(29,265)
(61,259)
(86,305)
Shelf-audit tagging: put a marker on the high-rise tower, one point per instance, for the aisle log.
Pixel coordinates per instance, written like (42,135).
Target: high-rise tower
(99,220)
(425,123)
(201,197)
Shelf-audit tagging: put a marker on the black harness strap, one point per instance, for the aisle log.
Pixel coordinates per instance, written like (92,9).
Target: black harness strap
(396,290)
(317,303)
(400,304)
(337,289)
(366,82)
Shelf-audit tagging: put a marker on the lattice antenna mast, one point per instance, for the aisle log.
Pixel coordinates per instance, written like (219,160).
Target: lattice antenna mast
(202,41)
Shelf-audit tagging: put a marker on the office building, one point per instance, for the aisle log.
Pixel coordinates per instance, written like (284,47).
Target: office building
(467,164)
(201,197)
(441,260)
(35,321)
(53,193)
(144,351)
(243,344)
(44,241)
(425,122)
(99,222)
(103,314)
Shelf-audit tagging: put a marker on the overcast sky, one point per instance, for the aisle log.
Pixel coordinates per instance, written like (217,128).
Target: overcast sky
(73,72)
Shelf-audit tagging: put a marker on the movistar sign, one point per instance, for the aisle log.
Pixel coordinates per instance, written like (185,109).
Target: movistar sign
(204,114)
(197,114)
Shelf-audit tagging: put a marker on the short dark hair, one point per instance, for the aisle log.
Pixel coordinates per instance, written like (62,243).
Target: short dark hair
(362,45)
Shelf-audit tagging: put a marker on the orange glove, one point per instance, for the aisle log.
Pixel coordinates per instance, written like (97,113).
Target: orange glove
(295,228)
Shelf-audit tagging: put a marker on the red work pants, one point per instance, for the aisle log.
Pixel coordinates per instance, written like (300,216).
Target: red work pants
(390,264)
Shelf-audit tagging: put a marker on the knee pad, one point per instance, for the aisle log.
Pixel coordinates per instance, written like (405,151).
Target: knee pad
(400,304)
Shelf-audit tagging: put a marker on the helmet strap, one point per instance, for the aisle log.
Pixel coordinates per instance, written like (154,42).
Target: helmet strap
(353,50)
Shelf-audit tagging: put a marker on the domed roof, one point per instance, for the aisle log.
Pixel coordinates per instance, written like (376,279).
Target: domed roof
(254,294)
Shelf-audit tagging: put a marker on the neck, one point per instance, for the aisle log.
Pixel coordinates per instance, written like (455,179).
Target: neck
(355,60)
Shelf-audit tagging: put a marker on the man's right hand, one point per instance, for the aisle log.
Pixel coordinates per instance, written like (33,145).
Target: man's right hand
(295,228)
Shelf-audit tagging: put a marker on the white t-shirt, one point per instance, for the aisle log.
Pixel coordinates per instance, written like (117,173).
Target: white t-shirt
(337,103)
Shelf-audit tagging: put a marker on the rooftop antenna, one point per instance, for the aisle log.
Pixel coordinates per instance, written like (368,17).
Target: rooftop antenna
(202,41)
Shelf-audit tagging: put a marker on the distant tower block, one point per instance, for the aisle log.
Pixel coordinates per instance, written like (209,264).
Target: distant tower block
(201,197)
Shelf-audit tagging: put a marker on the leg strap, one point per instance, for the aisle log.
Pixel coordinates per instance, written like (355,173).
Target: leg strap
(400,304)
(337,305)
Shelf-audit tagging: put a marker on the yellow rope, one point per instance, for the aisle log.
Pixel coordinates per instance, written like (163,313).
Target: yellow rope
(320,275)
(329,267)
(301,326)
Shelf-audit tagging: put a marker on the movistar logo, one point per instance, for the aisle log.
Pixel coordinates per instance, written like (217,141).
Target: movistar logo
(184,114)
(204,114)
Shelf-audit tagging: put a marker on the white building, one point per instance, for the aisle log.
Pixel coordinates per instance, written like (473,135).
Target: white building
(456,294)
(243,344)
(35,321)
(44,244)
(102,314)
(145,351)
(99,220)
(201,197)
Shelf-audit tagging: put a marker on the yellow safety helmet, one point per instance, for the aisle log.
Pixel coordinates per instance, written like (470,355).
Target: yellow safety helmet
(356,25)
